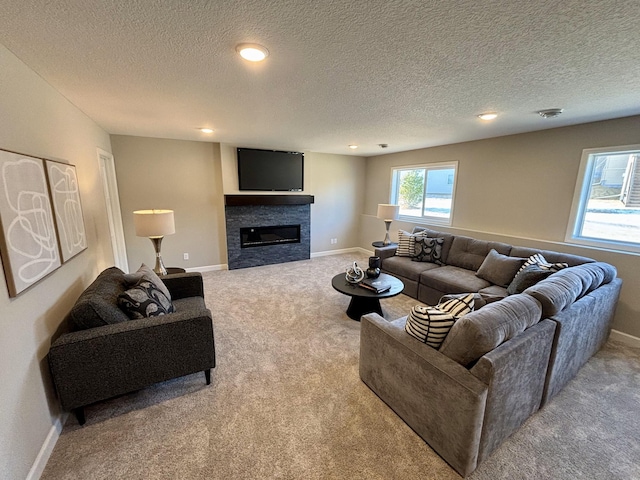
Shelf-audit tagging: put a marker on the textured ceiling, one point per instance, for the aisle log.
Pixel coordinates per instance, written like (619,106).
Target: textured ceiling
(407,73)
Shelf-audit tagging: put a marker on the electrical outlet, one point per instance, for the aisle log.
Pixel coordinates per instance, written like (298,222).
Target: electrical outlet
(334,241)
(185,256)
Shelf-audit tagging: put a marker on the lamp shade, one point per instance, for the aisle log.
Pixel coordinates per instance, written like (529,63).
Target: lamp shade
(388,212)
(153,223)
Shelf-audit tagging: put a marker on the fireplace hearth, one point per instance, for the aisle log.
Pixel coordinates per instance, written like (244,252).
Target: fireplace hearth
(272,235)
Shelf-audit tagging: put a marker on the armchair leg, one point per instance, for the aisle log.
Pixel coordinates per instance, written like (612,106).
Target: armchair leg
(207,375)
(79,413)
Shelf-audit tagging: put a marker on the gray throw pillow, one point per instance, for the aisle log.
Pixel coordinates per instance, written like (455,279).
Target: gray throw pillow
(428,250)
(145,273)
(144,300)
(499,269)
(527,277)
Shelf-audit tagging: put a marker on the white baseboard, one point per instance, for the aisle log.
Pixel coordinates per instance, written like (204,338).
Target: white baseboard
(47,447)
(339,251)
(208,268)
(625,338)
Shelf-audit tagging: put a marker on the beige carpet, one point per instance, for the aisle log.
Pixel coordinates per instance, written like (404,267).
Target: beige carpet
(286,402)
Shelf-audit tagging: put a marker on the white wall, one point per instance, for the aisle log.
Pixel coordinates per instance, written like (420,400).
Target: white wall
(36,120)
(518,189)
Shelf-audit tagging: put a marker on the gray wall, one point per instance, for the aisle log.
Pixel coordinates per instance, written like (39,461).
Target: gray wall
(183,176)
(518,189)
(37,120)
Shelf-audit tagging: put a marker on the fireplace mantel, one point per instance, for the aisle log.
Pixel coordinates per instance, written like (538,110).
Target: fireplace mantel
(243,200)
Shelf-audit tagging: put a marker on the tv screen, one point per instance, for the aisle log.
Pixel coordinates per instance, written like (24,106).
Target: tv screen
(270,170)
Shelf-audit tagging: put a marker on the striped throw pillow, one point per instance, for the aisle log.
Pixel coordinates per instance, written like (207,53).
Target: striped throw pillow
(431,325)
(407,243)
(539,260)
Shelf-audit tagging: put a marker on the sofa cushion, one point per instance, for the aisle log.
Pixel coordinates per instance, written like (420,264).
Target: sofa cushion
(449,279)
(495,292)
(404,267)
(428,250)
(431,325)
(479,332)
(145,273)
(563,288)
(447,237)
(144,300)
(469,253)
(406,243)
(499,269)
(98,304)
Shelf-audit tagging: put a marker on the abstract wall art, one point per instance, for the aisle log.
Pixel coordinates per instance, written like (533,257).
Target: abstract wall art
(28,240)
(65,196)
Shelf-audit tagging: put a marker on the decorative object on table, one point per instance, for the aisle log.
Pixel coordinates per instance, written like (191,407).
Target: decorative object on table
(354,274)
(374,267)
(388,213)
(377,286)
(155,224)
(28,242)
(65,197)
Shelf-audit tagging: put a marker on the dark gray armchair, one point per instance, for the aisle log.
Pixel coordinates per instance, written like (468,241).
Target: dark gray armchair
(115,358)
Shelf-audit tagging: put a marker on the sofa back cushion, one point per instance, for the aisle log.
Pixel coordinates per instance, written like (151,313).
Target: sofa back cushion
(561,289)
(551,257)
(446,244)
(469,253)
(480,331)
(98,304)
(499,269)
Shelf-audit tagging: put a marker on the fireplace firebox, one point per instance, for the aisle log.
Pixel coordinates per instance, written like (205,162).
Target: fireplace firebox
(269,235)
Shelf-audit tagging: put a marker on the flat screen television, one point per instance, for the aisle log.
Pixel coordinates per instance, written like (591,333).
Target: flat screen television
(270,170)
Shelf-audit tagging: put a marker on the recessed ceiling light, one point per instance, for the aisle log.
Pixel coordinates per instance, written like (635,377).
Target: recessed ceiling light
(206,130)
(353,147)
(252,52)
(550,112)
(488,116)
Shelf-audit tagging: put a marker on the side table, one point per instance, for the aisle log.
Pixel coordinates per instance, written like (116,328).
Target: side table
(381,244)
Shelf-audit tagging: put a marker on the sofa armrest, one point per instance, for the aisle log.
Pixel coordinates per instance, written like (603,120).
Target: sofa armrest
(438,398)
(386,252)
(516,373)
(99,363)
(183,285)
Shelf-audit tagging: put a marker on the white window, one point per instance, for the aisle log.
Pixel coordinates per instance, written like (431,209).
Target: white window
(425,192)
(606,203)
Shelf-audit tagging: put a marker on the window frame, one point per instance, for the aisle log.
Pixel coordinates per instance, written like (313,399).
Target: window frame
(425,219)
(580,201)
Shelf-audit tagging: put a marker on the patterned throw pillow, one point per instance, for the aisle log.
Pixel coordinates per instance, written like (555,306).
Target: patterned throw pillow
(407,242)
(144,300)
(428,250)
(431,325)
(145,273)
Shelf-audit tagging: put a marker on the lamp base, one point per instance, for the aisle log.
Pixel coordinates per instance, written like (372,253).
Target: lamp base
(387,239)
(159,268)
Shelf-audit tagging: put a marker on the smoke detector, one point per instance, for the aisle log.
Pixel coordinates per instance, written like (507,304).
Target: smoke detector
(550,112)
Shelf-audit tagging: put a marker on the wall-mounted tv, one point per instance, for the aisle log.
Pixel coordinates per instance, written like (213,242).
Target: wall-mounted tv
(270,170)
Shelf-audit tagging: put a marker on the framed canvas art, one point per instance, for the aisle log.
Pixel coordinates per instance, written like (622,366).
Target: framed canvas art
(28,240)
(65,197)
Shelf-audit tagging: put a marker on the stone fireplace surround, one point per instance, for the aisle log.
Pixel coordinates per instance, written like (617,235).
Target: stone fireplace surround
(249,211)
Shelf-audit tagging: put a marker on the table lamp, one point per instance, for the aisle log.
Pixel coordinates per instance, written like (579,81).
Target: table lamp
(155,224)
(388,213)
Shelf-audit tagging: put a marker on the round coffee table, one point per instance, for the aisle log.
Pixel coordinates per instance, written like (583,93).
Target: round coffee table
(365,301)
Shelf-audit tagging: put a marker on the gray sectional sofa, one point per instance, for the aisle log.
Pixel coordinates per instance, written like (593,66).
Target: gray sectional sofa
(106,354)
(500,363)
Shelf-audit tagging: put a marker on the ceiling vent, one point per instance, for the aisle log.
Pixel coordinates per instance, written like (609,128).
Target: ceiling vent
(550,112)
